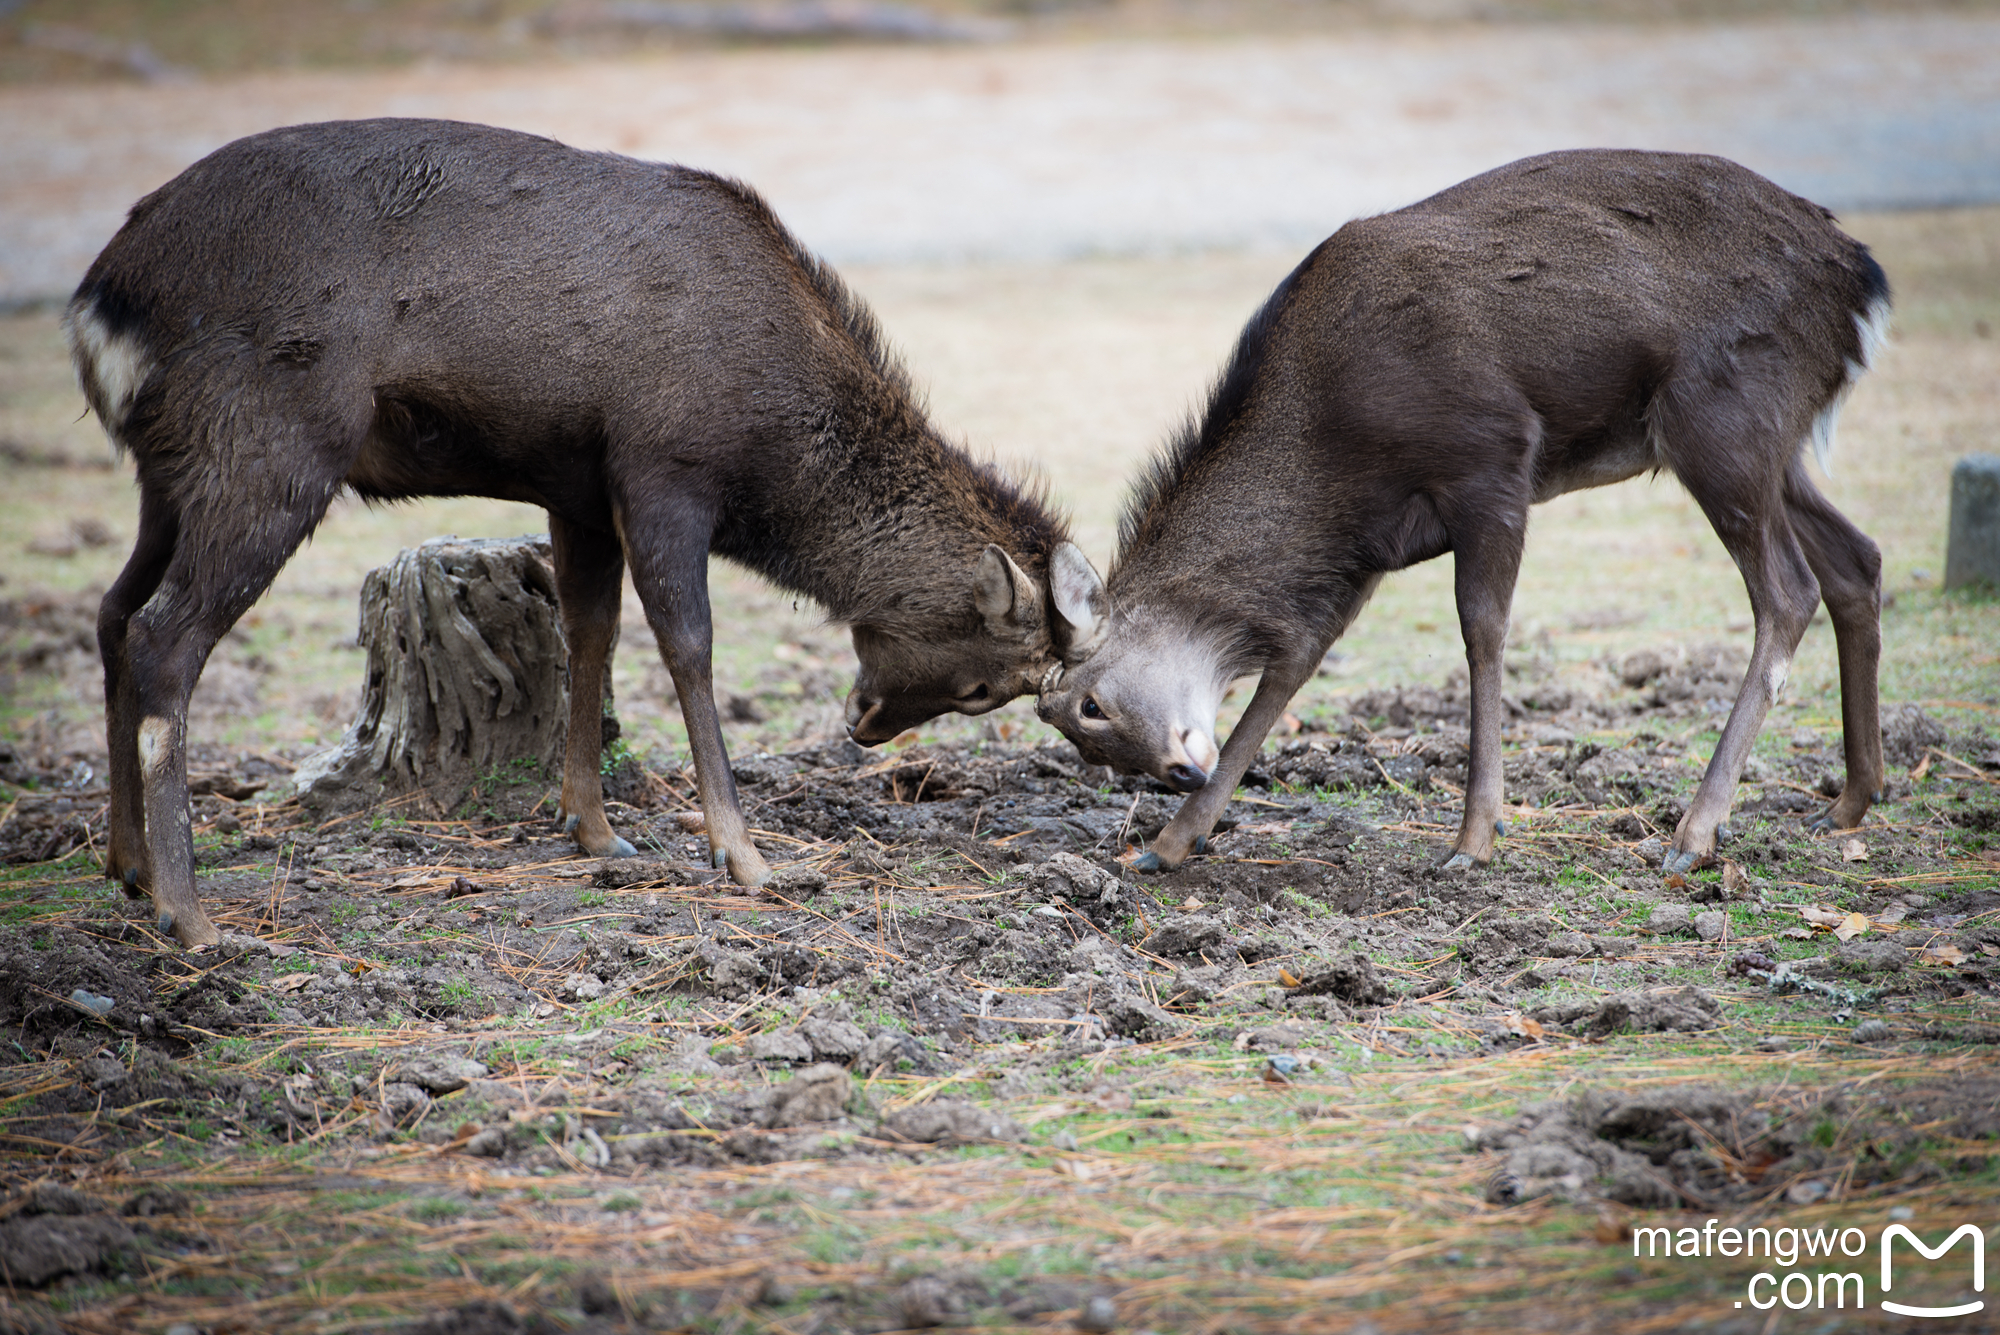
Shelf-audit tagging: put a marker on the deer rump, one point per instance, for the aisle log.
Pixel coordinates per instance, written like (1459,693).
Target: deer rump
(1416,385)
(426,308)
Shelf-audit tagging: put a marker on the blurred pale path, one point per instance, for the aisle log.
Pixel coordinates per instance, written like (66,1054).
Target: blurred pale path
(1042,152)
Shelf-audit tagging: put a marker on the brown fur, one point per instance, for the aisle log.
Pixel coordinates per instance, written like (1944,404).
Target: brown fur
(424,308)
(1419,382)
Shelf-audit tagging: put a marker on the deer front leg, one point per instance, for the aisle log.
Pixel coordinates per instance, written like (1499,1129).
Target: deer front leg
(1486,564)
(1188,831)
(589,568)
(674,588)
(163,766)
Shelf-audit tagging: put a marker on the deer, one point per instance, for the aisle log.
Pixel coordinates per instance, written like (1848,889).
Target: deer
(1420,381)
(407,308)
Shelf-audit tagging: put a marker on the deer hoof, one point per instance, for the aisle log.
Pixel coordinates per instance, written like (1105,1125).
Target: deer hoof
(1679,860)
(1459,862)
(165,922)
(1201,843)
(1723,834)
(570,824)
(1147,862)
(718,857)
(620,848)
(1821,823)
(1500,828)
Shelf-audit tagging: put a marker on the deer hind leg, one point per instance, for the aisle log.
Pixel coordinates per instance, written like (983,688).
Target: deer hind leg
(670,572)
(589,569)
(1849,569)
(221,564)
(125,859)
(1486,561)
(1748,514)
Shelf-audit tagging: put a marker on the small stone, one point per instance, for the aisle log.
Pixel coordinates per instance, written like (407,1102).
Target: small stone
(488,1144)
(1099,1314)
(816,1094)
(1873,1031)
(1710,926)
(90,1001)
(1807,1192)
(1670,920)
(443,1075)
(780,1045)
(1773,1043)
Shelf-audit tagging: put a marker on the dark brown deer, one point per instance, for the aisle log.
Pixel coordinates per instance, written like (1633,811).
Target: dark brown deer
(424,308)
(1419,382)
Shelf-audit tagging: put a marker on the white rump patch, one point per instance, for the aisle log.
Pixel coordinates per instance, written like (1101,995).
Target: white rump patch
(1872,327)
(113,367)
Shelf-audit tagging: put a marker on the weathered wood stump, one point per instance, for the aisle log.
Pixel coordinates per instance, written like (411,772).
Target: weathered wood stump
(468,683)
(1972,554)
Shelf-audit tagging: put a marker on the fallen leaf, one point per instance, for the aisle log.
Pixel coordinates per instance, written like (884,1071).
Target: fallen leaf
(1895,913)
(1191,903)
(291,982)
(1525,1027)
(1923,768)
(1819,917)
(1676,881)
(1853,925)
(1083,1170)
(1285,978)
(1853,850)
(1272,1077)
(1945,954)
(1735,881)
(465,1132)
(1797,933)
(1266,827)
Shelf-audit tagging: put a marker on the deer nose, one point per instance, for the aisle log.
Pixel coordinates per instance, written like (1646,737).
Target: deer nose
(1185,778)
(864,719)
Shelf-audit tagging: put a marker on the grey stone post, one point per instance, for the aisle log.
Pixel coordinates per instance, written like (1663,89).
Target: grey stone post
(1972,554)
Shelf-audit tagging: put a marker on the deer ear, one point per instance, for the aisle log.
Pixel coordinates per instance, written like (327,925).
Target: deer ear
(1002,592)
(1079,596)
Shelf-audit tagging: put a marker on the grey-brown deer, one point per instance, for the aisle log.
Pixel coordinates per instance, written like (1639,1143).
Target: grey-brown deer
(1420,381)
(425,308)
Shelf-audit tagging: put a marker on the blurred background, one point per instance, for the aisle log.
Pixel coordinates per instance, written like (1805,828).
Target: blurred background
(1063,211)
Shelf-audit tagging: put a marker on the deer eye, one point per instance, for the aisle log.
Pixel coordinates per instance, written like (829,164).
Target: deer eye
(1090,709)
(979,692)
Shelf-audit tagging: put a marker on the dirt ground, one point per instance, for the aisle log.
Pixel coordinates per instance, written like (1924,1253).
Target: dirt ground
(960,1067)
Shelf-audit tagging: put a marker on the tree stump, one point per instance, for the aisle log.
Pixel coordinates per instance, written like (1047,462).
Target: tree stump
(467,697)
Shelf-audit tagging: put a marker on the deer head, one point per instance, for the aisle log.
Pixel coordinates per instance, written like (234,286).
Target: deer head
(911,674)
(1138,688)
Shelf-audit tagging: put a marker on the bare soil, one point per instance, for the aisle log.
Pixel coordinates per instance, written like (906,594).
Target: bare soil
(954,962)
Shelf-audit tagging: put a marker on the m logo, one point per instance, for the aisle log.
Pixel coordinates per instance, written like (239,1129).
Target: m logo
(1931,1254)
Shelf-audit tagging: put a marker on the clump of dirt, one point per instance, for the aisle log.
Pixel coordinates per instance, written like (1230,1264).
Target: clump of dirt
(1699,1147)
